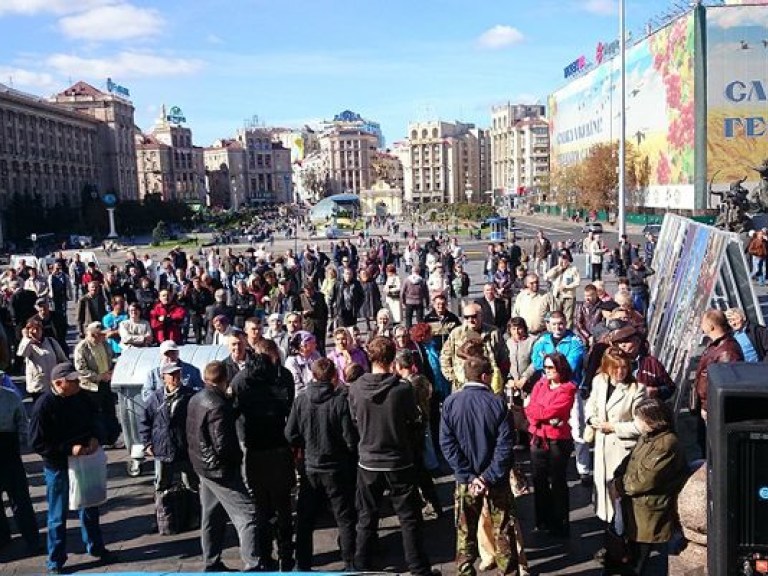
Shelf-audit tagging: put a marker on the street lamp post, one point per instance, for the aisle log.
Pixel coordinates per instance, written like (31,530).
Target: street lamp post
(621,216)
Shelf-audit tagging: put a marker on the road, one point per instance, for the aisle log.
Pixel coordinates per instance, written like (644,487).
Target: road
(127,518)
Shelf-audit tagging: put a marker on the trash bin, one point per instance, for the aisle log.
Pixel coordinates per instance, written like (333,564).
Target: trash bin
(129,375)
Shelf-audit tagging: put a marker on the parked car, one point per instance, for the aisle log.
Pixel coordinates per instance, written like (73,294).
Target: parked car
(594,227)
(652,229)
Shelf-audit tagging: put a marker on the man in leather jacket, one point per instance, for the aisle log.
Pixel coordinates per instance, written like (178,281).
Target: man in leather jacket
(721,348)
(214,452)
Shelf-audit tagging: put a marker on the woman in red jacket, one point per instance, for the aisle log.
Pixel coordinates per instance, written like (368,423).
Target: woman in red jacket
(551,443)
(166,318)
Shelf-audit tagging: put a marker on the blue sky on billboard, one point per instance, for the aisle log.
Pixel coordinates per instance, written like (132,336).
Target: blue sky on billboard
(300,62)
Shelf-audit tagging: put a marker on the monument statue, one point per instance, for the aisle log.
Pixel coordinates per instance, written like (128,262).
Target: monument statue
(734,204)
(759,196)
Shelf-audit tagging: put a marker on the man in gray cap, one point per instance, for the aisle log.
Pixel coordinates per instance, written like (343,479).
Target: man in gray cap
(169,354)
(63,424)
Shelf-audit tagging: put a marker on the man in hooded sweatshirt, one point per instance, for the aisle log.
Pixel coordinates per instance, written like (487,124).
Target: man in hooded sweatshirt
(414,296)
(384,408)
(321,424)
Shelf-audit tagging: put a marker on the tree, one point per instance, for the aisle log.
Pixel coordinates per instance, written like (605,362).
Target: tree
(600,175)
(566,185)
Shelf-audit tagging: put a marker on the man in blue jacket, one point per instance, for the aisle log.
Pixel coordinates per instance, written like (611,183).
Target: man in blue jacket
(477,443)
(559,339)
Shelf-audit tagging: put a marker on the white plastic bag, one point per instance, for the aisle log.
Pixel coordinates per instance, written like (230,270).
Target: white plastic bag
(87,480)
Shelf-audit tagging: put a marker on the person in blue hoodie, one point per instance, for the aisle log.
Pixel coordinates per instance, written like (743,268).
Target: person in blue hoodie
(477,441)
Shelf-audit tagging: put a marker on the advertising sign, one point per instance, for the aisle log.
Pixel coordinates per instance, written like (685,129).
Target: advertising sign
(113,88)
(737,93)
(659,113)
(175,116)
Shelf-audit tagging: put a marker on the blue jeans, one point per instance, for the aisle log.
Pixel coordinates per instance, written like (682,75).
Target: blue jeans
(57,493)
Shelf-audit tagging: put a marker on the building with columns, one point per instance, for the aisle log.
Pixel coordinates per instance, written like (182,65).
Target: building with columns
(168,162)
(444,162)
(49,155)
(347,155)
(519,148)
(117,149)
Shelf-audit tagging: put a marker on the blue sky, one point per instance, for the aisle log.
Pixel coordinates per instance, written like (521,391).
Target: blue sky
(300,61)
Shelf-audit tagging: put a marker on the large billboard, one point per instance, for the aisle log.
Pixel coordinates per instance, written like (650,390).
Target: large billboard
(659,112)
(737,93)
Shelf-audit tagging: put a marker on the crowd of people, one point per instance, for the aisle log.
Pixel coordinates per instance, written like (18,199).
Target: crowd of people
(435,381)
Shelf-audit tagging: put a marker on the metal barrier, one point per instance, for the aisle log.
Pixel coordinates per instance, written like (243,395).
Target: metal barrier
(129,374)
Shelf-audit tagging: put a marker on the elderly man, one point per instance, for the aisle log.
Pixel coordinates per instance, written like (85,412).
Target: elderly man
(63,424)
(169,354)
(473,327)
(238,354)
(222,329)
(753,338)
(564,279)
(534,306)
(495,310)
(166,318)
(91,307)
(93,360)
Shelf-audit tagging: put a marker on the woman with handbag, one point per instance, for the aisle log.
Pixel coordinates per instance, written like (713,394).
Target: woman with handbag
(648,483)
(610,422)
(548,412)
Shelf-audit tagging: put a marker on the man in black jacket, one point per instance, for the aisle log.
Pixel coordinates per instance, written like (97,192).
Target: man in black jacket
(263,395)
(495,310)
(320,423)
(215,454)
(62,425)
(384,408)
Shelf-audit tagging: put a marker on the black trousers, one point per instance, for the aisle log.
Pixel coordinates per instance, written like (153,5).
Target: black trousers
(271,476)
(315,488)
(597,271)
(410,311)
(13,481)
(550,497)
(407,504)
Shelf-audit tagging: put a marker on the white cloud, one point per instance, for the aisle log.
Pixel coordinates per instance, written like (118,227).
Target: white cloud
(21,78)
(600,7)
(500,37)
(738,17)
(30,7)
(214,39)
(115,22)
(124,65)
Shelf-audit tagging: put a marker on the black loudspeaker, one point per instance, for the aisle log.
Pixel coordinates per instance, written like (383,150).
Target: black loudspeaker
(737,470)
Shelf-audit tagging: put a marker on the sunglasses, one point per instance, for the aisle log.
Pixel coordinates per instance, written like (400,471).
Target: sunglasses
(470,317)
(549,366)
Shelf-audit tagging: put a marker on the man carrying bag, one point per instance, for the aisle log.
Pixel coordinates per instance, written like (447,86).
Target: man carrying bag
(62,426)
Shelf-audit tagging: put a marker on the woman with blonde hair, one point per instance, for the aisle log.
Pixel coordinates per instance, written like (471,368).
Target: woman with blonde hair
(609,414)
(392,293)
(329,288)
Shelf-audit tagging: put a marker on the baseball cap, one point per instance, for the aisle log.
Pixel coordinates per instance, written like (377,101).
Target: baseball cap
(273,317)
(64,370)
(41,302)
(168,346)
(170,368)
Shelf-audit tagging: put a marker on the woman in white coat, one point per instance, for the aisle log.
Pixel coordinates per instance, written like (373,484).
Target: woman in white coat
(610,412)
